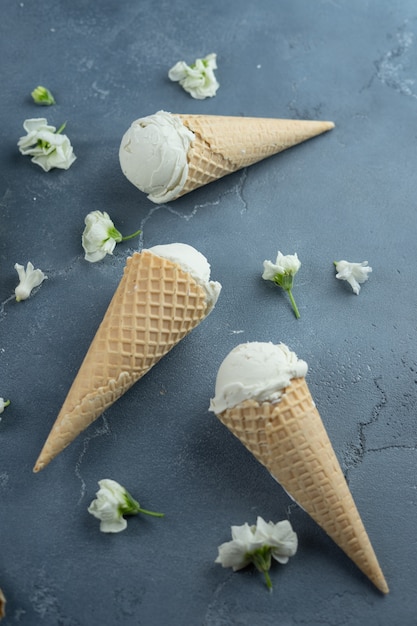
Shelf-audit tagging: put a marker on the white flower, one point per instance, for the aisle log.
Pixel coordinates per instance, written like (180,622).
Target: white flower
(111,503)
(197,79)
(282,273)
(46,145)
(284,264)
(257,544)
(3,404)
(42,95)
(109,506)
(237,553)
(279,537)
(29,279)
(354,273)
(100,236)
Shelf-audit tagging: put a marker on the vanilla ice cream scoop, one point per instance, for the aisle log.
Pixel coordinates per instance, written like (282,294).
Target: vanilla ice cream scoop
(153,155)
(194,263)
(255,371)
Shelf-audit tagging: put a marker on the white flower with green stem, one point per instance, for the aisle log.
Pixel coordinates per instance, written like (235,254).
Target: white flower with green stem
(354,273)
(100,236)
(111,504)
(282,273)
(29,278)
(42,95)
(197,79)
(47,146)
(258,544)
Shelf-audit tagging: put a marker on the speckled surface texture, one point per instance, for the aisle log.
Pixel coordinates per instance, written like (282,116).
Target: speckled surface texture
(350,193)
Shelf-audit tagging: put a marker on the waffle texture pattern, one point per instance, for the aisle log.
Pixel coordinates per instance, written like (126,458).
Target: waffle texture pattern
(225,144)
(290,440)
(155,305)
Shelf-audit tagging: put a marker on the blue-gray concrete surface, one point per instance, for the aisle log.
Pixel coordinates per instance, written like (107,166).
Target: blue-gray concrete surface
(350,193)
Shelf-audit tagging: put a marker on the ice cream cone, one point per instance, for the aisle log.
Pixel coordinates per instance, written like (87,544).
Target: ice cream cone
(155,305)
(225,144)
(288,437)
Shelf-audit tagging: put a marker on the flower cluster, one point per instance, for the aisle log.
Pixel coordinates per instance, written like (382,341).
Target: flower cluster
(113,502)
(47,146)
(197,79)
(258,544)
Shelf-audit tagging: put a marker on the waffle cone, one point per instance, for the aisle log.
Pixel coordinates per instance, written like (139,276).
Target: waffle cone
(290,440)
(155,305)
(225,144)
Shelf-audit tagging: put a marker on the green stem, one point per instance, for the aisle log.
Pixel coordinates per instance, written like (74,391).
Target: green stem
(261,558)
(6,403)
(152,513)
(132,507)
(293,304)
(268,580)
(131,236)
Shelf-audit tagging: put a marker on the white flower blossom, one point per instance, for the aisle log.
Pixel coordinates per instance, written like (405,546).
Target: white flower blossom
(279,537)
(237,553)
(109,506)
(354,273)
(100,236)
(113,502)
(3,404)
(257,544)
(47,146)
(197,79)
(284,264)
(29,279)
(282,273)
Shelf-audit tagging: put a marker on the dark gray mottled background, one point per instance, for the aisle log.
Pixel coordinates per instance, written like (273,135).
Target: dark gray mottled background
(350,193)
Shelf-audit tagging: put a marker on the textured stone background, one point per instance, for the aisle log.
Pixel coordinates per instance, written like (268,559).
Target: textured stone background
(350,193)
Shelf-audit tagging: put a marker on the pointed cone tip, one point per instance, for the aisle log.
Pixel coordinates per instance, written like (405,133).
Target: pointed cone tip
(39,465)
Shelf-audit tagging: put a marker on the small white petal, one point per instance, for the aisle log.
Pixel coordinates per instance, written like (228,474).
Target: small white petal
(288,263)
(354,273)
(269,270)
(114,526)
(279,536)
(232,554)
(178,71)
